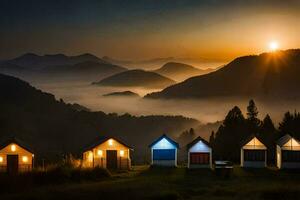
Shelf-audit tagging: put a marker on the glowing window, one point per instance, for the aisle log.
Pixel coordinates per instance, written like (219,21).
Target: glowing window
(1,159)
(164,144)
(13,147)
(110,142)
(25,159)
(100,153)
(121,153)
(90,156)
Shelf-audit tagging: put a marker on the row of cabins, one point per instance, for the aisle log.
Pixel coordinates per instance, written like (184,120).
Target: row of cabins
(112,153)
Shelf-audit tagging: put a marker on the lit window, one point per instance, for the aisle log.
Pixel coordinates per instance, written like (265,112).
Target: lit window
(13,147)
(1,159)
(121,153)
(100,152)
(110,142)
(90,157)
(25,159)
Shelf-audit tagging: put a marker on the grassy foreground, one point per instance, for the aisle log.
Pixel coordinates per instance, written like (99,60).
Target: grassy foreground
(178,183)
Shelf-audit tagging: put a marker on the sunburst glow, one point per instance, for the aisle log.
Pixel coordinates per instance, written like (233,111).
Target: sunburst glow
(273,45)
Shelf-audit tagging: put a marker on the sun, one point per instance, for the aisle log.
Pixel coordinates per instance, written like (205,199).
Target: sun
(273,45)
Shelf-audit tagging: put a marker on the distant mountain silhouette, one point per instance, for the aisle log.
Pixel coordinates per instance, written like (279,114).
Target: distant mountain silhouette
(136,78)
(81,66)
(266,75)
(54,128)
(124,94)
(34,61)
(180,71)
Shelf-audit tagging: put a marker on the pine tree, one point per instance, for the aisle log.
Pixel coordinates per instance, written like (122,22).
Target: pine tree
(230,134)
(253,121)
(212,138)
(269,135)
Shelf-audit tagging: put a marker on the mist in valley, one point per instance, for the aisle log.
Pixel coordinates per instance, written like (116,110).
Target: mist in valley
(208,110)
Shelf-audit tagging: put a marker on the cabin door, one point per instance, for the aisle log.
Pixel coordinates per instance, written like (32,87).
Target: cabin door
(199,158)
(12,164)
(111,159)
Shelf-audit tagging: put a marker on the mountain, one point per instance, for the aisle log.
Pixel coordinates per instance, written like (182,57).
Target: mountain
(273,74)
(180,71)
(85,66)
(154,63)
(34,62)
(54,128)
(123,94)
(136,78)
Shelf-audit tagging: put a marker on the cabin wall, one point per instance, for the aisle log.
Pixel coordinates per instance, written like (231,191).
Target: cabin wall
(162,145)
(25,158)
(278,156)
(200,147)
(97,157)
(254,163)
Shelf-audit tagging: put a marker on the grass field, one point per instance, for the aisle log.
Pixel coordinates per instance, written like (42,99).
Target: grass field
(176,183)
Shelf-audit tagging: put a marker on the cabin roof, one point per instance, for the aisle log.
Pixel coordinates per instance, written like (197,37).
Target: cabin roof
(195,141)
(251,137)
(17,141)
(167,138)
(283,140)
(101,139)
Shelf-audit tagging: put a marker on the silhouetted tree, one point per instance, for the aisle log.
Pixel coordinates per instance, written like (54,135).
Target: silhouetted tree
(269,135)
(290,124)
(230,134)
(252,120)
(212,138)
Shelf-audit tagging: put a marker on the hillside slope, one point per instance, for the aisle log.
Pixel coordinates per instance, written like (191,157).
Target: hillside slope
(136,78)
(267,74)
(54,128)
(180,71)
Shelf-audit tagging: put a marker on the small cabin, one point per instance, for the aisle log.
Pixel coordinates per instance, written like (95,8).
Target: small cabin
(199,154)
(288,153)
(253,153)
(109,153)
(15,157)
(164,152)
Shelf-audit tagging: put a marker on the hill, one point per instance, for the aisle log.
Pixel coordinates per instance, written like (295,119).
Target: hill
(266,75)
(54,128)
(85,66)
(136,78)
(123,94)
(33,61)
(180,71)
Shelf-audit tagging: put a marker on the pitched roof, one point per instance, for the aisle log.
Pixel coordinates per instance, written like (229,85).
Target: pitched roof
(167,138)
(195,141)
(101,139)
(283,140)
(249,138)
(17,141)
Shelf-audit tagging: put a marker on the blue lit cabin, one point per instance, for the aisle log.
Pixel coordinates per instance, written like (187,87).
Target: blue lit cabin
(164,152)
(199,154)
(253,153)
(288,153)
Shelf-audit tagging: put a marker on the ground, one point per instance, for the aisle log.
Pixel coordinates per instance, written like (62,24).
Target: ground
(176,183)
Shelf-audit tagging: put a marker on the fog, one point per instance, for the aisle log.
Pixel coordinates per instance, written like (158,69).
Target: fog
(204,110)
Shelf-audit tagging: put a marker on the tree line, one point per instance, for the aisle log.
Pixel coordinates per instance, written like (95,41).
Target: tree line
(236,128)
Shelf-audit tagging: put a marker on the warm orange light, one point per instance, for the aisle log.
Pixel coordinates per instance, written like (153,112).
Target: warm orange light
(100,153)
(13,147)
(25,159)
(110,142)
(121,153)
(273,46)
(1,159)
(90,157)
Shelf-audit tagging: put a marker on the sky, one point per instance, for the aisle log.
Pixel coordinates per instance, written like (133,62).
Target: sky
(144,29)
